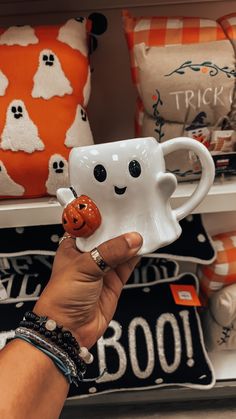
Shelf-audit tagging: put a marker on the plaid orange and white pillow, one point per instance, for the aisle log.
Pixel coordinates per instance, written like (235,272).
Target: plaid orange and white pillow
(222,272)
(228,24)
(162,31)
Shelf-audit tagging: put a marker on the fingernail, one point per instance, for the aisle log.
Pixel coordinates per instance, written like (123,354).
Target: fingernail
(134,240)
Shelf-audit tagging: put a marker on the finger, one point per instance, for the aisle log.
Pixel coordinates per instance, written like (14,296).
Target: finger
(122,274)
(67,243)
(113,284)
(125,270)
(114,252)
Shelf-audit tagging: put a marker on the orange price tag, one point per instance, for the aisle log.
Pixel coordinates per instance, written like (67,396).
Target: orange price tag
(185,295)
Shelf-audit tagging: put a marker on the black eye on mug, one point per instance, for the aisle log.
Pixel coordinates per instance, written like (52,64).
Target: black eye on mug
(135,168)
(100,173)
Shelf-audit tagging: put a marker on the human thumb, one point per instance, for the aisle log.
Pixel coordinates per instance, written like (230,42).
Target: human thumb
(114,252)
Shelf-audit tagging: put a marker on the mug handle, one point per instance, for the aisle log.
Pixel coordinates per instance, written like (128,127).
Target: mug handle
(208,171)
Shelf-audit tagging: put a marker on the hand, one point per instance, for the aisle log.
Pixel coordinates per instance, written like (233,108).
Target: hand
(79,295)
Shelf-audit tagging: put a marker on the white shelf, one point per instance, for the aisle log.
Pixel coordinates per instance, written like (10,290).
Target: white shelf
(224,364)
(221,197)
(42,211)
(29,212)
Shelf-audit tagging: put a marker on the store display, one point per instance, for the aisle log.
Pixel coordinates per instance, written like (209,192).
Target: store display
(154,343)
(194,243)
(184,71)
(115,176)
(135,356)
(24,277)
(190,92)
(43,105)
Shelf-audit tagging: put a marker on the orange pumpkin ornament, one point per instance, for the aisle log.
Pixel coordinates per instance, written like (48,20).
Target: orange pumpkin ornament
(81,217)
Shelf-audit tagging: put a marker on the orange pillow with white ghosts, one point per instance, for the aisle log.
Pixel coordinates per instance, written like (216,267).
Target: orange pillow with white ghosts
(44,91)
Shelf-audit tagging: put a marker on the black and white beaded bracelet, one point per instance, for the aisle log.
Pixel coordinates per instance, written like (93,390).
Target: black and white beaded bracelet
(45,332)
(60,358)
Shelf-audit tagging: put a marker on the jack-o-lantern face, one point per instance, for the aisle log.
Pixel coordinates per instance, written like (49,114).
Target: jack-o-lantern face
(81,218)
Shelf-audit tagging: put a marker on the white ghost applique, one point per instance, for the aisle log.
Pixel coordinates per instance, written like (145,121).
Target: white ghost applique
(7,186)
(3,83)
(20,132)
(19,35)
(58,174)
(79,133)
(49,79)
(87,89)
(74,34)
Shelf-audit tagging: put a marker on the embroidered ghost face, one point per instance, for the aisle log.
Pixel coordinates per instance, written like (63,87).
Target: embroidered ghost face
(58,174)
(17,111)
(19,35)
(48,59)
(20,132)
(74,34)
(7,185)
(79,133)
(50,80)
(58,166)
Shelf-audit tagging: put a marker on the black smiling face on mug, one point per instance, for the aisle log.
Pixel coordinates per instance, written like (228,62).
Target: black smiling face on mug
(100,174)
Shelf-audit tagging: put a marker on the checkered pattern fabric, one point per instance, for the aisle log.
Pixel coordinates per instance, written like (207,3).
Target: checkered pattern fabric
(222,271)
(228,23)
(162,31)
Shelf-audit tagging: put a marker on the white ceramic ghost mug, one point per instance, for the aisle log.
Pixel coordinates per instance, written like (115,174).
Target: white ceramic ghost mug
(128,183)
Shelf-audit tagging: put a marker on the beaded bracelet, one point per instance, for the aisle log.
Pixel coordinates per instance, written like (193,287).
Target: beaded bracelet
(46,334)
(62,366)
(57,334)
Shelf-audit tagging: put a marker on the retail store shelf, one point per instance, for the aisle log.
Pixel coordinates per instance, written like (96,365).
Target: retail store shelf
(42,211)
(29,212)
(222,390)
(225,371)
(221,197)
